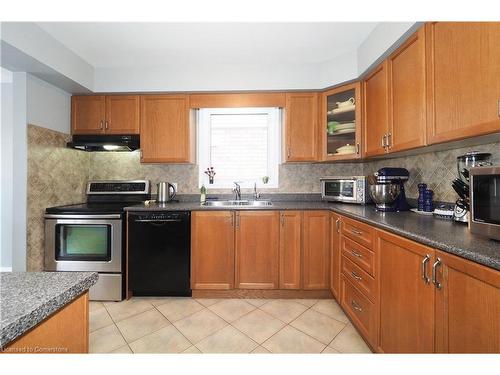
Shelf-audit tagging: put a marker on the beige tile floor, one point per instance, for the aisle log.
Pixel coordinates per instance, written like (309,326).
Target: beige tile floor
(188,325)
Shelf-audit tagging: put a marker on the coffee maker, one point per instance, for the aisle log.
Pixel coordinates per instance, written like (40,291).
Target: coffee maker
(388,192)
(461,184)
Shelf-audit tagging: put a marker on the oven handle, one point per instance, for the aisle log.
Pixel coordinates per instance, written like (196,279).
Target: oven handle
(104,216)
(158,221)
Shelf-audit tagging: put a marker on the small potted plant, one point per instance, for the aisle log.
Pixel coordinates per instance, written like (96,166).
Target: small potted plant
(210,172)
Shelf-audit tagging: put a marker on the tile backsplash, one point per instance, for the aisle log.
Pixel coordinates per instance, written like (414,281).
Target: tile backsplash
(436,169)
(56,176)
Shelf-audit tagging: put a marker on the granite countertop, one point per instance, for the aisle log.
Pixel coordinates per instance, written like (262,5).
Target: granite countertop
(445,235)
(27,298)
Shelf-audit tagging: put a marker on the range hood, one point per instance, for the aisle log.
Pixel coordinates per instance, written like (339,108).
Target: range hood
(105,142)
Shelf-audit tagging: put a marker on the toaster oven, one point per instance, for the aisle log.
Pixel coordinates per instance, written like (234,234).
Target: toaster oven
(346,189)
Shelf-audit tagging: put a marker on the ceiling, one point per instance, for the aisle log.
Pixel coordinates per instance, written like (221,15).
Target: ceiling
(126,44)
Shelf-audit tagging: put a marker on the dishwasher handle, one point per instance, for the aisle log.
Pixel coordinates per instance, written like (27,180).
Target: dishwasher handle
(158,220)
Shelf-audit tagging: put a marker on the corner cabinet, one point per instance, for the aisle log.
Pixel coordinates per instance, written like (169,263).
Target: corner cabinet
(167,129)
(463,70)
(340,123)
(301,127)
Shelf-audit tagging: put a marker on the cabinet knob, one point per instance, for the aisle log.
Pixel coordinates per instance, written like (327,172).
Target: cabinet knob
(356,306)
(389,140)
(102,125)
(106,125)
(384,141)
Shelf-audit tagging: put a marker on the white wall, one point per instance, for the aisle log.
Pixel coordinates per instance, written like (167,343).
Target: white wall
(377,45)
(6,169)
(48,106)
(343,68)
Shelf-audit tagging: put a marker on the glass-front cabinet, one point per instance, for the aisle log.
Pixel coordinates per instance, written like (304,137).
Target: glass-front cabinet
(341,123)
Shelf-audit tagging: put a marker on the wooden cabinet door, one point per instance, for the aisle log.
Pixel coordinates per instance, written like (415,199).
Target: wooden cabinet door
(166,134)
(290,250)
(406,300)
(335,256)
(212,250)
(316,250)
(463,70)
(407,90)
(301,126)
(467,307)
(375,108)
(257,248)
(87,114)
(122,114)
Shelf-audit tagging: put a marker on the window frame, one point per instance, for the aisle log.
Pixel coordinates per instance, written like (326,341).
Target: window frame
(204,142)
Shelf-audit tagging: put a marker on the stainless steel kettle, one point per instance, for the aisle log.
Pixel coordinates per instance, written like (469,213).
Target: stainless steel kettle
(166,192)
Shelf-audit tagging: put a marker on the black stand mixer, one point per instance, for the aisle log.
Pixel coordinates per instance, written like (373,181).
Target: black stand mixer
(388,191)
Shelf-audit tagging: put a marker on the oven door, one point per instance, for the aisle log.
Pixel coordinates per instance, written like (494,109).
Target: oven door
(339,190)
(485,201)
(83,243)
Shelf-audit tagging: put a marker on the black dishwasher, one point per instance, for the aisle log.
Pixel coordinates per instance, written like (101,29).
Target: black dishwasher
(159,253)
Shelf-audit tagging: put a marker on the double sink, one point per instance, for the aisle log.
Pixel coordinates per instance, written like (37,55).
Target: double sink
(238,203)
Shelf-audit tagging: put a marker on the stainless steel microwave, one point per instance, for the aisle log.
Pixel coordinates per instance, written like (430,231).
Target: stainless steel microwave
(485,201)
(347,189)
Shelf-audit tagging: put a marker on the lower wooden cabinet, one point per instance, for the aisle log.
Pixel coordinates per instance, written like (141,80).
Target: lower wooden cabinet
(212,250)
(406,298)
(257,247)
(316,250)
(65,331)
(335,255)
(290,258)
(467,307)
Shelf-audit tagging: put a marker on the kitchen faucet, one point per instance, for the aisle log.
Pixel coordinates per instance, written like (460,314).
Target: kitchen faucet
(237,191)
(255,194)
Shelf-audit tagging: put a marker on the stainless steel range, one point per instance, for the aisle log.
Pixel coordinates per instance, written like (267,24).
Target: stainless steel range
(91,236)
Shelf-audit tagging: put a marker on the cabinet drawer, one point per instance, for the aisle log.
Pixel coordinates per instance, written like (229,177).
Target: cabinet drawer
(360,278)
(359,232)
(358,254)
(361,311)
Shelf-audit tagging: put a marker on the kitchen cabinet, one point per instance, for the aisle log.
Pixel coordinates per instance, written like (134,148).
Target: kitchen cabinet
(335,255)
(257,249)
(105,114)
(238,100)
(463,66)
(340,123)
(407,95)
(301,127)
(467,307)
(375,111)
(316,250)
(67,330)
(290,253)
(212,250)
(406,295)
(167,129)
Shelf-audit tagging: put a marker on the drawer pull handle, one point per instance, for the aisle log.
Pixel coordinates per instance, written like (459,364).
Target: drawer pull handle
(356,276)
(434,273)
(355,306)
(357,255)
(356,232)
(424,269)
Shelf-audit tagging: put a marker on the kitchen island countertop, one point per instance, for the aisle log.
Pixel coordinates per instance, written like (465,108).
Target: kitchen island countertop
(27,298)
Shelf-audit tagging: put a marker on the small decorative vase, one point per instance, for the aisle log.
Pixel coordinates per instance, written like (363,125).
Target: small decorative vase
(210,180)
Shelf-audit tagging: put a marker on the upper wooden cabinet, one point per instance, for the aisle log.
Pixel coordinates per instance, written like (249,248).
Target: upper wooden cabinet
(340,123)
(88,113)
(463,70)
(407,95)
(290,273)
(467,307)
(257,248)
(301,127)
(406,295)
(105,114)
(375,111)
(231,100)
(167,130)
(212,250)
(316,250)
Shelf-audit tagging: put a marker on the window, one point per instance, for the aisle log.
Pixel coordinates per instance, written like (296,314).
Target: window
(241,144)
